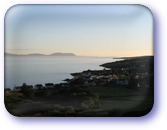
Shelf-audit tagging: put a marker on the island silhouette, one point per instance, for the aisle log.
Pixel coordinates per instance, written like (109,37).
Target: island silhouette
(39,54)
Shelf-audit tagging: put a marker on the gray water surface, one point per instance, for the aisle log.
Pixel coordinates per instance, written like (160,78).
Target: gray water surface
(44,69)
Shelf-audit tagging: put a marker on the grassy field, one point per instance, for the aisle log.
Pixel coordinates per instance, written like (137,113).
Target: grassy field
(123,100)
(96,101)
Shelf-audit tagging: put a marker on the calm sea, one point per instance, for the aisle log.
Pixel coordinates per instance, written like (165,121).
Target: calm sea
(47,69)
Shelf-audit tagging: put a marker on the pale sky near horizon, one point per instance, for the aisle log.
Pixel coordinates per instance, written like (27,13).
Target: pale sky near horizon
(85,30)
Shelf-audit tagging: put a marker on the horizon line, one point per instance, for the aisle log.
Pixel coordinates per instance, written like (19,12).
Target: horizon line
(73,54)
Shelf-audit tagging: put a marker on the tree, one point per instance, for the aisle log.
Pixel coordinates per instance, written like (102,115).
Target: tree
(27,90)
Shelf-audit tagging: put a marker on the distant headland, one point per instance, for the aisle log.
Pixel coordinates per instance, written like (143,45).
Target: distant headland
(38,54)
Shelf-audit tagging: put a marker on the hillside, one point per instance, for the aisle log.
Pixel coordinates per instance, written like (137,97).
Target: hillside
(142,64)
(62,54)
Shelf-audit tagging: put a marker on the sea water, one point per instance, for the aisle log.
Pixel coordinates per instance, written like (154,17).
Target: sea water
(34,70)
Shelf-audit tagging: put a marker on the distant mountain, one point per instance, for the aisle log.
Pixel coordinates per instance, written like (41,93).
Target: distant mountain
(62,54)
(38,54)
(9,54)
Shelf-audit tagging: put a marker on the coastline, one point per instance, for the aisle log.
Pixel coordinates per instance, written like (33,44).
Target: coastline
(107,71)
(90,93)
(128,58)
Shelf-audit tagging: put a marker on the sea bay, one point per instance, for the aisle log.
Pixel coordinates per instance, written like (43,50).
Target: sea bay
(34,70)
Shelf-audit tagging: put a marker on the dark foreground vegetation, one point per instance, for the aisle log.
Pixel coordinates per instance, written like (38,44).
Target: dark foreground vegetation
(87,101)
(90,93)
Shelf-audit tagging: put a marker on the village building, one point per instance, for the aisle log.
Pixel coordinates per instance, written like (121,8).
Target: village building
(89,83)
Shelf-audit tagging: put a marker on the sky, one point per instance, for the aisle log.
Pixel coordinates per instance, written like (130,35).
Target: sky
(85,30)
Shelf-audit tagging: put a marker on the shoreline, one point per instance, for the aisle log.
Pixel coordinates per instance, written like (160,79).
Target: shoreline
(129,58)
(101,73)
